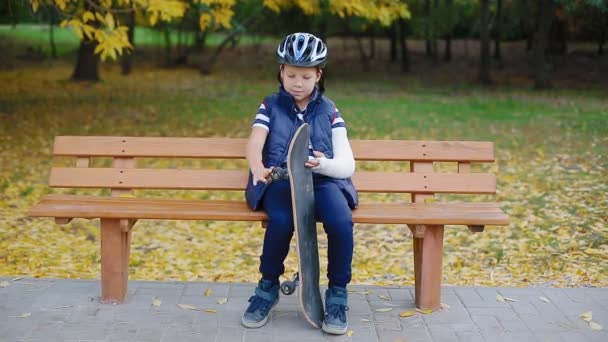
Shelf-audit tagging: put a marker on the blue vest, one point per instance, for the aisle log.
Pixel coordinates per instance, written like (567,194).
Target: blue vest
(282,111)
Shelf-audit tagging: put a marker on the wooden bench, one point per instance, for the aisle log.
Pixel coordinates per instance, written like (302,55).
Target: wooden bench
(118,213)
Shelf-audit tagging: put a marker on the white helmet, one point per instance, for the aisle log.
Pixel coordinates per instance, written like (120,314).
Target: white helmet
(303,50)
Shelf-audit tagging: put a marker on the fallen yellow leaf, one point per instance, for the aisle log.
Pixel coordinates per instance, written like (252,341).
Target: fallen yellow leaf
(384,297)
(509,299)
(384,310)
(544,299)
(210,310)
(586,316)
(408,313)
(187,307)
(349,333)
(25,315)
(595,326)
(222,300)
(500,298)
(594,251)
(426,312)
(208,292)
(156,302)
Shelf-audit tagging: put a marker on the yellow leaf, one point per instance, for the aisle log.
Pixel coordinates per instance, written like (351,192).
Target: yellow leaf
(86,16)
(210,310)
(595,326)
(208,292)
(187,307)
(509,299)
(426,312)
(110,21)
(544,299)
(594,251)
(384,310)
(222,300)
(349,333)
(500,298)
(17,278)
(156,302)
(25,315)
(384,297)
(4,284)
(408,313)
(586,316)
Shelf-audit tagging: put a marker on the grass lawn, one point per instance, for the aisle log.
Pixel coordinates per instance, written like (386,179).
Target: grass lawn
(551,147)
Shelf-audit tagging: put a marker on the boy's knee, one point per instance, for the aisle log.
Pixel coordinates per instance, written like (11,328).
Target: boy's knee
(339,224)
(281,223)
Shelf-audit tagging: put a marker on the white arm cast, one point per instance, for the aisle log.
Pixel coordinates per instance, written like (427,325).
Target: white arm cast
(342,165)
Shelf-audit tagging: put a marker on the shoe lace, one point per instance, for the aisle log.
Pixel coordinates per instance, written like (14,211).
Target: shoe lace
(337,310)
(259,303)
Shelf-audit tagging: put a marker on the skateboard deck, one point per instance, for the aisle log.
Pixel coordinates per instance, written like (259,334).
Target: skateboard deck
(303,206)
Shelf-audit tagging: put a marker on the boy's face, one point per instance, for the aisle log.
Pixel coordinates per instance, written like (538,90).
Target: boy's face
(300,81)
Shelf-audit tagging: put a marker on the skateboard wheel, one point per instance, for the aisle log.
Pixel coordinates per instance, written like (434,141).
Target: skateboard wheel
(288,287)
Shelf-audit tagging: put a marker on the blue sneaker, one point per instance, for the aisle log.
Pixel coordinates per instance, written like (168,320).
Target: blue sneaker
(336,300)
(265,298)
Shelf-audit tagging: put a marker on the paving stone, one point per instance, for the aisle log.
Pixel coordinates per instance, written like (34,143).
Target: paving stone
(444,336)
(404,336)
(469,336)
(62,310)
(509,337)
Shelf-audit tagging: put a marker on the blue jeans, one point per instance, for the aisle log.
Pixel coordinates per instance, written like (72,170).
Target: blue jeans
(331,208)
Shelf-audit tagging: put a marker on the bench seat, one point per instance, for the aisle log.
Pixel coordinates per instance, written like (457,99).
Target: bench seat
(91,207)
(122,165)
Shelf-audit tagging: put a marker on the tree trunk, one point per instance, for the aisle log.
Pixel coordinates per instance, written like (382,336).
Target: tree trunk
(362,55)
(87,64)
(447,56)
(393,39)
(427,27)
(484,58)
(498,30)
(600,43)
(168,48)
(52,37)
(541,39)
(402,32)
(127,57)
(372,44)
(434,43)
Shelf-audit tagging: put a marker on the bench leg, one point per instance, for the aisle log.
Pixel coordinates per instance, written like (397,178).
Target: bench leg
(115,249)
(428,252)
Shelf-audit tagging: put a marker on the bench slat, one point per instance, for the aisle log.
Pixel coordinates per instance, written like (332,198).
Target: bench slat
(149,208)
(392,182)
(232,148)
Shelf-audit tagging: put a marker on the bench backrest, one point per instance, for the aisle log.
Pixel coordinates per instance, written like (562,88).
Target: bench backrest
(124,174)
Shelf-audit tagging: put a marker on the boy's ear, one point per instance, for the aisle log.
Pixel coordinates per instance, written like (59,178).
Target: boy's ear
(319,74)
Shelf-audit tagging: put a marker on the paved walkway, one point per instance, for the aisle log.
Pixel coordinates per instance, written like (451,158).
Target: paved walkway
(68,310)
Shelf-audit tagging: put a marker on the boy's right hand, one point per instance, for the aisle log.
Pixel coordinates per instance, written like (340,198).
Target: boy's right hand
(260,175)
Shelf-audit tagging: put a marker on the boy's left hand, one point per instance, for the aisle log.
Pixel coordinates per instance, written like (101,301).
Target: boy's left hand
(314,162)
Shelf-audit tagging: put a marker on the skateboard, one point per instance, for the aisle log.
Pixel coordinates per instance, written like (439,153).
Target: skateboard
(306,281)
